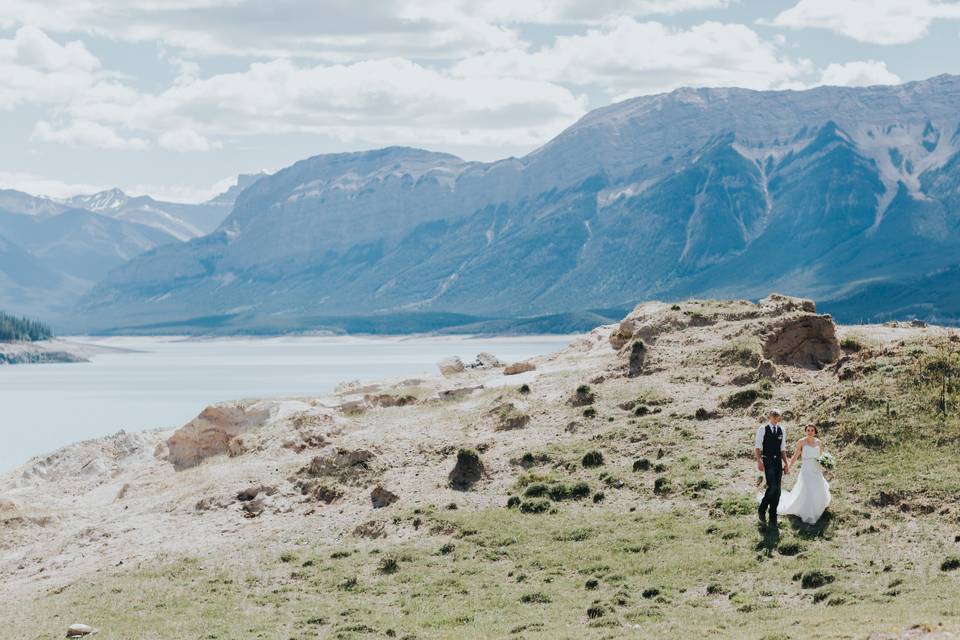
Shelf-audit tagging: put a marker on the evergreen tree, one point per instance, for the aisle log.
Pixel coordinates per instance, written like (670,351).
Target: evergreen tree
(22,329)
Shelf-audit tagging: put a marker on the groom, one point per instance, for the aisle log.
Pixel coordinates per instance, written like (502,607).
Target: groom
(770,451)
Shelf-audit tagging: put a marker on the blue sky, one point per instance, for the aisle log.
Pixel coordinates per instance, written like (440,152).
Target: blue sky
(175,97)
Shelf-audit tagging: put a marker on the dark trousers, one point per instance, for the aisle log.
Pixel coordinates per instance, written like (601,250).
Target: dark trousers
(773,470)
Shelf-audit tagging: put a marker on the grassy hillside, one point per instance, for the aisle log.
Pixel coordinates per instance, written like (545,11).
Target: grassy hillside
(635,519)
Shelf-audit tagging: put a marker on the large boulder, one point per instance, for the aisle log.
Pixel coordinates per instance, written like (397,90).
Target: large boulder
(802,340)
(217,430)
(519,367)
(451,366)
(486,360)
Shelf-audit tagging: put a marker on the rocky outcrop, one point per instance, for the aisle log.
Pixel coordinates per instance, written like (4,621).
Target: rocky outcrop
(217,430)
(779,304)
(802,340)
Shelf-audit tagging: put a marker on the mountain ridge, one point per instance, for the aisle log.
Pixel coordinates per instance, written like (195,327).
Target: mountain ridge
(698,192)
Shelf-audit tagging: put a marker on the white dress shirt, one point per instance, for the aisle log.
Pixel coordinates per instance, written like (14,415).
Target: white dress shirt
(758,441)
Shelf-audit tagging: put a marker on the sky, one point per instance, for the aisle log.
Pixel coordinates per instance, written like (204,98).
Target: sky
(174,98)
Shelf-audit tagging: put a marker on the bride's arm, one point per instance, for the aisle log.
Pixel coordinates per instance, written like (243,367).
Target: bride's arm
(796,452)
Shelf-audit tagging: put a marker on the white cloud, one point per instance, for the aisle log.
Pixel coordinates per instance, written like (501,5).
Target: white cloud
(874,21)
(85,133)
(41,186)
(322,29)
(374,103)
(186,139)
(861,73)
(30,47)
(327,29)
(555,11)
(36,69)
(626,57)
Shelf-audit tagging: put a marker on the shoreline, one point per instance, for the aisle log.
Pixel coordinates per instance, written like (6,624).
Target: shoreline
(55,351)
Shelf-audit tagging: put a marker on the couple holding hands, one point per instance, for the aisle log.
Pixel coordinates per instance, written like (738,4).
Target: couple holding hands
(810,496)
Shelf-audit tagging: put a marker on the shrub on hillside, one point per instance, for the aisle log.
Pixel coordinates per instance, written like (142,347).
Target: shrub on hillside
(592,459)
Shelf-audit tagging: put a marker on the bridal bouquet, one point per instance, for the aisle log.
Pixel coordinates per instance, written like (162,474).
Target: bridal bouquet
(827,461)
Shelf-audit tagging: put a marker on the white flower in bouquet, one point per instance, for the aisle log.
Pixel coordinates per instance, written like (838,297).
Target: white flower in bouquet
(827,461)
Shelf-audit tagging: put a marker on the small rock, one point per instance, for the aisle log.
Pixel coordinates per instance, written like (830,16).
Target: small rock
(519,367)
(380,497)
(371,530)
(253,508)
(920,324)
(248,494)
(389,400)
(458,392)
(79,630)
(451,366)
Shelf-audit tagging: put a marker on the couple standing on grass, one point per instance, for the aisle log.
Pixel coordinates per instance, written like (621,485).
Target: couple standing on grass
(810,496)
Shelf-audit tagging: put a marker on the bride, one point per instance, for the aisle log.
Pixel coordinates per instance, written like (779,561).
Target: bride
(811,495)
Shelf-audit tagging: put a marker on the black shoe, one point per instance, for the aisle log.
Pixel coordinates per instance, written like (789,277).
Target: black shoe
(761,515)
(773,523)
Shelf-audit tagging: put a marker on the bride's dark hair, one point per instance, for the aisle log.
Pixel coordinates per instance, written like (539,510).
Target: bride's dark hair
(816,431)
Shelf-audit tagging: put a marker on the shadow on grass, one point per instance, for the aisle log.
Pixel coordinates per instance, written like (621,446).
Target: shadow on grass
(821,529)
(769,539)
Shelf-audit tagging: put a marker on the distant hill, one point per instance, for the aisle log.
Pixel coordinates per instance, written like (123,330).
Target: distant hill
(839,193)
(51,252)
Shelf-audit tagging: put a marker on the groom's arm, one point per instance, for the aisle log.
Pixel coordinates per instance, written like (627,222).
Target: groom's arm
(783,452)
(757,445)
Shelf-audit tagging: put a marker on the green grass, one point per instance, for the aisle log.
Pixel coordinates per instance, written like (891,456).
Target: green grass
(672,574)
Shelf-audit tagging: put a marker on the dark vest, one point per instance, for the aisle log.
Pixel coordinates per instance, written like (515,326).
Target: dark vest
(771,442)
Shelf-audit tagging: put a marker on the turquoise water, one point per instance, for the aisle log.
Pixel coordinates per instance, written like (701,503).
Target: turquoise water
(167,381)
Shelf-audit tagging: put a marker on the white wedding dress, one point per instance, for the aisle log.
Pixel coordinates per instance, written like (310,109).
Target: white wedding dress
(810,497)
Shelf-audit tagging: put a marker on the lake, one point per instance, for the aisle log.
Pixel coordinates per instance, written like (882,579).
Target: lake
(165,382)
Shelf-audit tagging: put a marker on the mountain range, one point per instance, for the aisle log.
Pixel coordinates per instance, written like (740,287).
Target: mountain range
(847,195)
(53,251)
